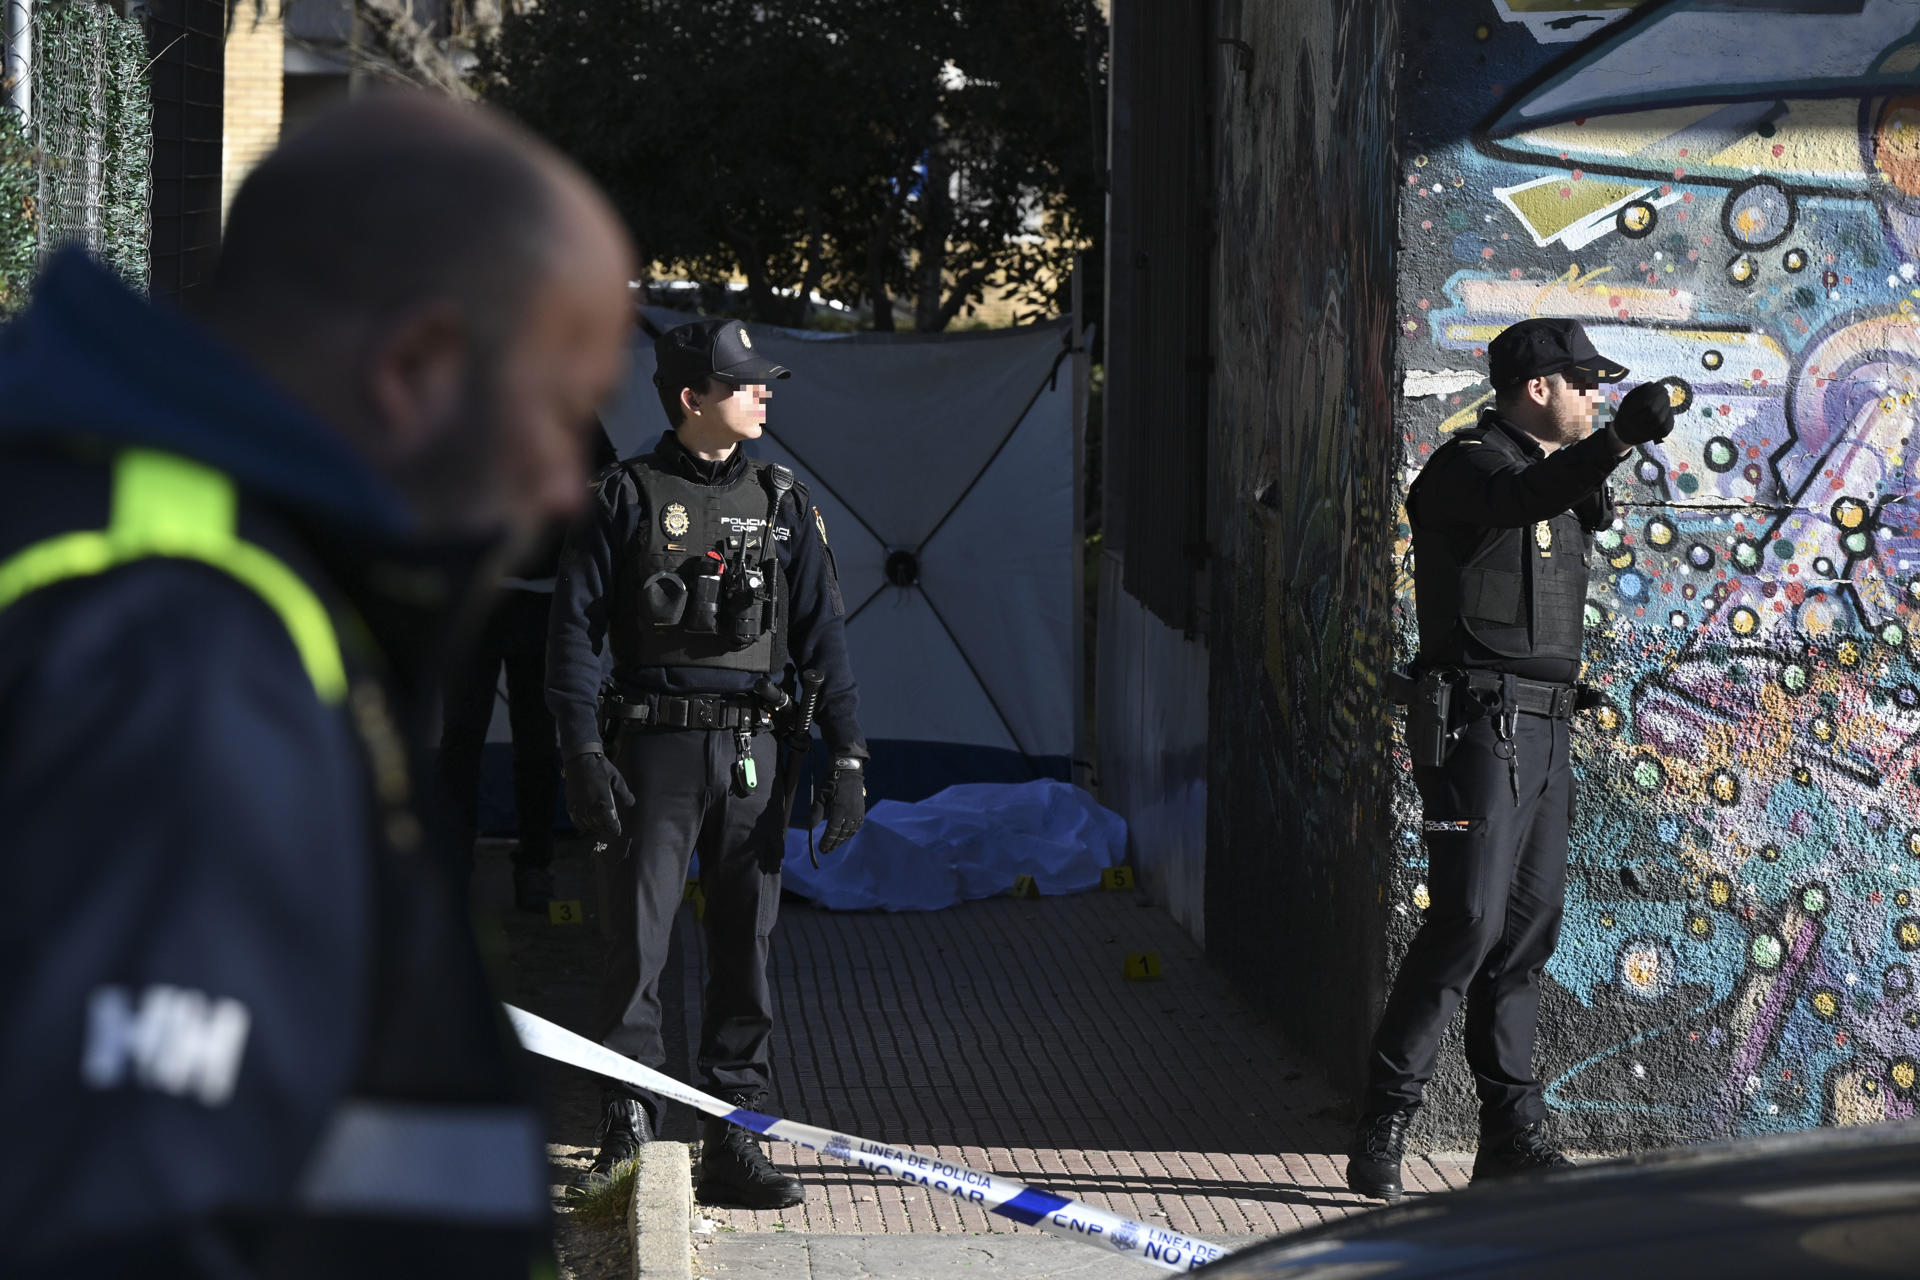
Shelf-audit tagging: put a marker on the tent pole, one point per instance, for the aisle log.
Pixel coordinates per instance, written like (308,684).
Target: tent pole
(1081,769)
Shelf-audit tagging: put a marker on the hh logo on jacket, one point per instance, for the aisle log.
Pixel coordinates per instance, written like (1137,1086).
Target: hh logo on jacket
(170,1039)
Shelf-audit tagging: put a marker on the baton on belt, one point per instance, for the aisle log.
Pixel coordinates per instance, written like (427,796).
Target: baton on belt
(811,682)
(797,740)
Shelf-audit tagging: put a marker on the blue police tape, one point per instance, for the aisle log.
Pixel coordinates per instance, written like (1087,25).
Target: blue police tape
(1009,1199)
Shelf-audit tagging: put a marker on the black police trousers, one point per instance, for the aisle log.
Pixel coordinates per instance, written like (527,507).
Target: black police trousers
(682,782)
(1496,876)
(515,635)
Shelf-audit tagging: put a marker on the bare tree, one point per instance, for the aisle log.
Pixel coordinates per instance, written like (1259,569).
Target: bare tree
(432,44)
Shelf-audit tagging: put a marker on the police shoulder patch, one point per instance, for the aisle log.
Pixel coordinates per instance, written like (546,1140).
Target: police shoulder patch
(674,520)
(820,523)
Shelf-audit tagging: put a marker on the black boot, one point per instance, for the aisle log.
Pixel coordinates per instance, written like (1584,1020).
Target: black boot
(734,1170)
(532,888)
(1517,1151)
(1373,1160)
(624,1129)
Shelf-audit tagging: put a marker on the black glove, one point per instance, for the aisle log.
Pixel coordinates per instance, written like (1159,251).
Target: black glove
(842,799)
(1645,416)
(593,787)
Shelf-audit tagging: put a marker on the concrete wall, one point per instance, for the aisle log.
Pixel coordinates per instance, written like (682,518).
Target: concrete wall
(1303,450)
(1151,691)
(1742,921)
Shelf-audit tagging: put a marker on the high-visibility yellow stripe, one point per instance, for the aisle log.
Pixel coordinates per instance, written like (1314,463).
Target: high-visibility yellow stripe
(168,506)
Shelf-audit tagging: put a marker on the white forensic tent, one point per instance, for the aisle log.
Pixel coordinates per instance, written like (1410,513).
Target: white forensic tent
(945,467)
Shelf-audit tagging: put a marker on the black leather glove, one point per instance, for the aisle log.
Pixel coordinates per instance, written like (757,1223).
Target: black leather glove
(1645,415)
(842,800)
(593,788)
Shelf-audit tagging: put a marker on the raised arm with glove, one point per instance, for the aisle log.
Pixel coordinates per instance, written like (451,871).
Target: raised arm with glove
(1645,415)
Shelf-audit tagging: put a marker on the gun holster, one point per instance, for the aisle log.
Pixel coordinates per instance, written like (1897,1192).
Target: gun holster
(1431,712)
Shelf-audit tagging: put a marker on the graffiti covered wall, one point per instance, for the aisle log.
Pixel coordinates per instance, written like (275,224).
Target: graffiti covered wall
(1302,452)
(1727,193)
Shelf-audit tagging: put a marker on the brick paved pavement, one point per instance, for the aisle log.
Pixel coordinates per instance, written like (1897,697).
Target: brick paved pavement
(1003,1035)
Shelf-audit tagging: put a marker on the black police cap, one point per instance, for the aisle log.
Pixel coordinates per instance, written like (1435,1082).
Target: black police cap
(720,349)
(1535,348)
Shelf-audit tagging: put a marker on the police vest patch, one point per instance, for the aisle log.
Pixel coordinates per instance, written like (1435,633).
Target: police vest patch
(675,521)
(1543,537)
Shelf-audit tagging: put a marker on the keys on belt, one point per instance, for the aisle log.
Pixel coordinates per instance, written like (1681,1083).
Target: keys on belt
(664,711)
(746,776)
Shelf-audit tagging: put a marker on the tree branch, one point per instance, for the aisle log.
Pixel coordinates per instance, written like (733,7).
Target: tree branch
(962,290)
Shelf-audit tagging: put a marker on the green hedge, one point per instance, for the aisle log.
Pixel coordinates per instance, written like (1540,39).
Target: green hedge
(128,231)
(94,130)
(19,213)
(84,173)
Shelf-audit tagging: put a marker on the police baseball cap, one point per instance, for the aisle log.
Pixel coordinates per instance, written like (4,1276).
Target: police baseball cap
(1538,347)
(720,349)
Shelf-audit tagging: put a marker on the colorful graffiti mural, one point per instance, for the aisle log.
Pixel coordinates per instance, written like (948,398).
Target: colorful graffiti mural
(1728,193)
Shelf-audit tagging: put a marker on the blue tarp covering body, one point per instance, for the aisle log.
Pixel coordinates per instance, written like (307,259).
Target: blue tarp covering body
(969,841)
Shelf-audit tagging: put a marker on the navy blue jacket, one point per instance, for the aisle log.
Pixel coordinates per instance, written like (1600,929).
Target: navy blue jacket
(580,656)
(180,812)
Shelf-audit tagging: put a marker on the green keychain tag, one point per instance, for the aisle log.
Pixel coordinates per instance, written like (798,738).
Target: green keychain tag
(746,776)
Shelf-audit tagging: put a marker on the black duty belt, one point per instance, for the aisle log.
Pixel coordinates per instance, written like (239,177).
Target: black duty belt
(1534,697)
(664,711)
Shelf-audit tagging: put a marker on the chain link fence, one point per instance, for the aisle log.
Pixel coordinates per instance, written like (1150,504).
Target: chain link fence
(77,169)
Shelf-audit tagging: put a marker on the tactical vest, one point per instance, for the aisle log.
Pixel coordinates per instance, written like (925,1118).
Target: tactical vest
(717,547)
(1520,593)
(429,1139)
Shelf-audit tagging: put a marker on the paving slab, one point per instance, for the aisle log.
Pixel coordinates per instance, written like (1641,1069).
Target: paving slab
(787,1255)
(1005,1035)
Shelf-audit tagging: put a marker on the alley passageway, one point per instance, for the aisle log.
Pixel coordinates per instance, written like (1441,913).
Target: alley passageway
(1003,1035)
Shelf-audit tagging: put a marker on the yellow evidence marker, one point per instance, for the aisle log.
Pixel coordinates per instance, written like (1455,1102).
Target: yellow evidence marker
(1117,878)
(698,897)
(1142,965)
(1024,887)
(565,912)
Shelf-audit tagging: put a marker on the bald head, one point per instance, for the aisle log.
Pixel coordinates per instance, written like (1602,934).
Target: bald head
(395,198)
(392,263)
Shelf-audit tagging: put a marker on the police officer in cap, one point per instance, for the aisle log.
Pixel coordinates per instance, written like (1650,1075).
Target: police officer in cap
(696,577)
(1503,518)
